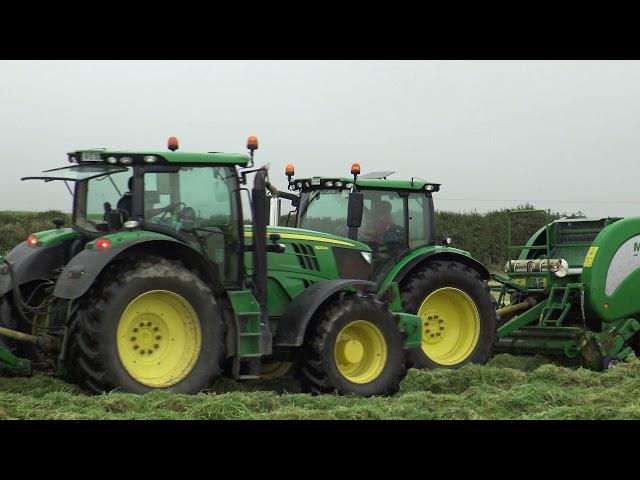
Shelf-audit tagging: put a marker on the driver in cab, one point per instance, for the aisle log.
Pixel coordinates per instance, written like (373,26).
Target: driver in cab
(125,203)
(379,221)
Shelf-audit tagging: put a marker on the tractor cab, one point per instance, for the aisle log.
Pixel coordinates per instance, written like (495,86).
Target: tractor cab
(397,215)
(191,197)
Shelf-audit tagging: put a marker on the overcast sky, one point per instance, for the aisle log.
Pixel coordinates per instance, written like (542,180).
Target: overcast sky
(562,135)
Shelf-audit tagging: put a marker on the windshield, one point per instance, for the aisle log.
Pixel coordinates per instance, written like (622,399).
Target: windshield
(96,195)
(324,211)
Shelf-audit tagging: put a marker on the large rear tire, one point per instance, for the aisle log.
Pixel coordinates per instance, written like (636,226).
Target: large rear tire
(152,326)
(458,314)
(354,345)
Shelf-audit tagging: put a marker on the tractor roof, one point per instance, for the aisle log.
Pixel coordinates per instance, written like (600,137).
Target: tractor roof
(162,157)
(414,184)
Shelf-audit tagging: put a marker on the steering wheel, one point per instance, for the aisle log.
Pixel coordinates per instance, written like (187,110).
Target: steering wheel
(172,208)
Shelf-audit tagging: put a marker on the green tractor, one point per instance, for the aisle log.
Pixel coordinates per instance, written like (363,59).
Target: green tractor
(444,286)
(157,285)
(573,289)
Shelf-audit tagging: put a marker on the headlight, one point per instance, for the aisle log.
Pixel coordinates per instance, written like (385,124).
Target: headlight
(126,160)
(367,256)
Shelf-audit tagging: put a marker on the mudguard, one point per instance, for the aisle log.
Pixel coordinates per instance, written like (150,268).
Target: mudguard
(293,323)
(30,263)
(445,255)
(81,272)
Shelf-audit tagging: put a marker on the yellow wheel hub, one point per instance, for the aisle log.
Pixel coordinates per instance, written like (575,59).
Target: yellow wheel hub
(360,352)
(451,326)
(159,338)
(275,369)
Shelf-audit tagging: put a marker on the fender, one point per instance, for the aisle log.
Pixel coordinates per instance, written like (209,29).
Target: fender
(30,263)
(409,263)
(293,323)
(81,272)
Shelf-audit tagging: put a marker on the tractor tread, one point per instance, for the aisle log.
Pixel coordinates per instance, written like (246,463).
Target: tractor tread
(424,277)
(311,368)
(87,360)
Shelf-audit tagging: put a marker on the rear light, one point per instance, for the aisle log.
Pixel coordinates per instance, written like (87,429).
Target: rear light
(33,241)
(103,243)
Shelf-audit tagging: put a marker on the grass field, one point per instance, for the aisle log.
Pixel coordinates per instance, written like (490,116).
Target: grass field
(507,388)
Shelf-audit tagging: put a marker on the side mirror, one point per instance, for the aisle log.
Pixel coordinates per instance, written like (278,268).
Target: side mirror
(355,210)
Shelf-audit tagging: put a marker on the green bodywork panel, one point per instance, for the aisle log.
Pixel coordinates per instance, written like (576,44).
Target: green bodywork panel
(119,239)
(613,277)
(372,183)
(177,157)
(55,237)
(308,258)
(315,237)
(418,252)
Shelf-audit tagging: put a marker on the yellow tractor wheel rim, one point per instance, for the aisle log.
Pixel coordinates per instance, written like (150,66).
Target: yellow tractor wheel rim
(450,326)
(360,352)
(275,369)
(159,338)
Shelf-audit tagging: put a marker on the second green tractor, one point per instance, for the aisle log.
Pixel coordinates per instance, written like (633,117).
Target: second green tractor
(445,286)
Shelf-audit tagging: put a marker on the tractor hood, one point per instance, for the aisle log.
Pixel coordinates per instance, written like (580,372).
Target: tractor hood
(327,239)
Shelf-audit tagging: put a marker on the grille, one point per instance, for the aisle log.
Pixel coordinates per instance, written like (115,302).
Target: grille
(306,256)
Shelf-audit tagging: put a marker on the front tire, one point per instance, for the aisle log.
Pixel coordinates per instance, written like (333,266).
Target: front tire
(354,345)
(458,315)
(152,326)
